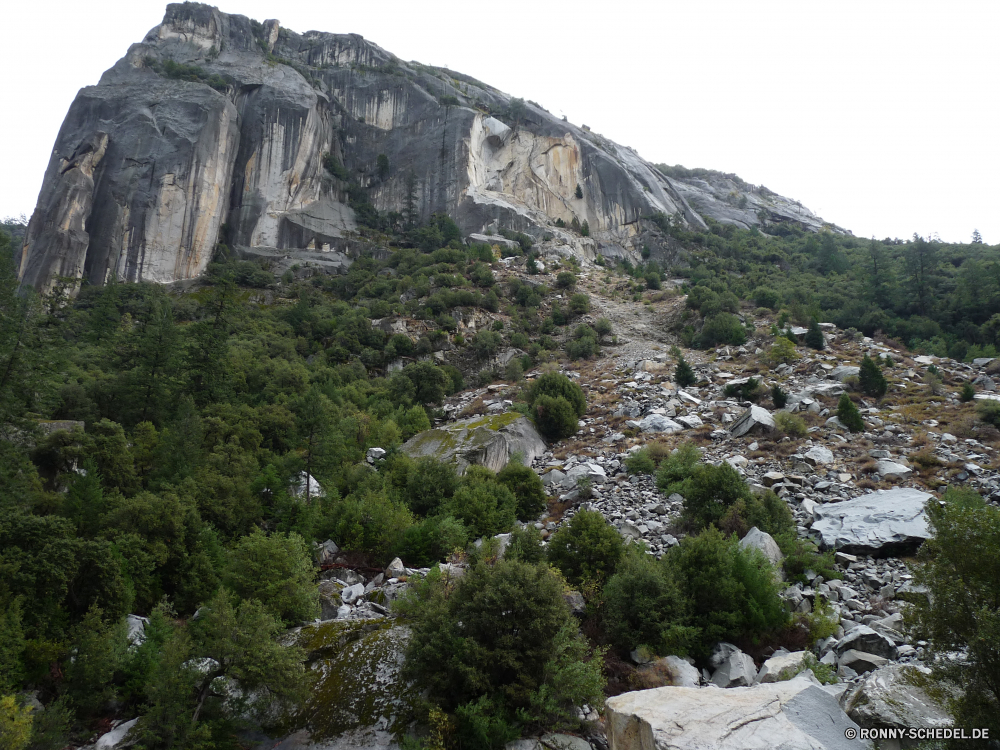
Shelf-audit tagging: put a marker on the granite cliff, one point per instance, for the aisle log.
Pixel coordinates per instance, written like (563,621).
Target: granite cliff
(215,127)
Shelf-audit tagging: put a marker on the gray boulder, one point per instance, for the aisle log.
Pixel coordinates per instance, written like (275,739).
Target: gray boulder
(860,661)
(781,667)
(864,638)
(891,469)
(882,522)
(819,456)
(489,441)
(352,593)
(736,671)
(843,372)
(792,715)
(656,423)
(753,421)
(898,696)
(761,540)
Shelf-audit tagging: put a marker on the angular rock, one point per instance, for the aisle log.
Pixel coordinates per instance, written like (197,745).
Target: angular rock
(375,454)
(792,715)
(736,671)
(761,540)
(819,456)
(753,421)
(396,569)
(864,638)
(682,673)
(861,661)
(327,552)
(782,667)
(352,593)
(843,372)
(883,522)
(657,423)
(564,742)
(489,441)
(895,696)
(891,469)
(691,421)
(116,737)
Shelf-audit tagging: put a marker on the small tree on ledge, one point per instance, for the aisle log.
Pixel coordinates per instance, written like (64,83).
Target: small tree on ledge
(814,336)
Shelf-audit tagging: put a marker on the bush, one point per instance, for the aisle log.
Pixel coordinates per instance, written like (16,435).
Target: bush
(579,304)
(677,467)
(722,328)
(640,462)
(557,384)
(555,417)
(870,378)
(587,550)
(989,412)
(278,571)
(968,393)
(503,635)
(732,593)
(653,281)
(432,540)
(565,280)
(766,297)
(778,397)
(429,482)
(790,424)
(814,336)
(485,506)
(683,374)
(748,391)
(849,415)
(582,348)
(603,327)
(527,488)
(644,606)
(782,352)
(961,571)
(525,545)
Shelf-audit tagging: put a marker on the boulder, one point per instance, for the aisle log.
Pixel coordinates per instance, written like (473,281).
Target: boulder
(136,629)
(860,661)
(761,540)
(736,671)
(489,441)
(656,423)
(819,456)
(792,715)
(587,470)
(374,454)
(564,742)
(682,673)
(781,667)
(898,696)
(327,552)
(116,737)
(352,593)
(891,469)
(396,569)
(753,421)
(691,421)
(864,638)
(882,522)
(843,372)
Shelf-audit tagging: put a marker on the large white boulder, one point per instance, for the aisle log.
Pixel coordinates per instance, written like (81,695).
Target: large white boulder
(489,441)
(792,715)
(879,522)
(754,420)
(761,540)
(781,667)
(736,671)
(900,696)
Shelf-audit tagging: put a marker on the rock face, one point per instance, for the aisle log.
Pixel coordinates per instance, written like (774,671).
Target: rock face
(878,523)
(792,715)
(214,120)
(895,696)
(487,441)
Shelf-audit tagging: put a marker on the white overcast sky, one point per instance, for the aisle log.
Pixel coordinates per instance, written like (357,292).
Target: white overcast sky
(881,117)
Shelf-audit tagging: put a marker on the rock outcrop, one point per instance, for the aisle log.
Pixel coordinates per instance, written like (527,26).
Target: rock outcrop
(216,128)
(792,715)
(876,523)
(489,441)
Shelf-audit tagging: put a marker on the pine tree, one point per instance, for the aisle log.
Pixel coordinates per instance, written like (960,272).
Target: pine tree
(849,415)
(871,380)
(579,191)
(968,393)
(684,376)
(814,336)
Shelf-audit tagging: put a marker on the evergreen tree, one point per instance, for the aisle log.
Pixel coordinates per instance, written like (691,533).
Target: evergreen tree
(968,393)
(579,191)
(683,374)
(871,380)
(814,336)
(849,415)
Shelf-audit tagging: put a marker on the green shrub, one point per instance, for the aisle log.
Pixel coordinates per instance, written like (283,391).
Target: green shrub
(579,304)
(429,483)
(802,555)
(961,570)
(652,281)
(709,491)
(644,605)
(525,545)
(766,297)
(782,352)
(557,384)
(640,462)
(722,328)
(677,467)
(870,378)
(683,374)
(485,506)
(989,412)
(278,571)
(790,424)
(432,540)
(504,634)
(778,397)
(849,415)
(555,417)
(814,336)
(732,593)
(767,512)
(565,280)
(603,327)
(586,550)
(968,393)
(748,391)
(527,488)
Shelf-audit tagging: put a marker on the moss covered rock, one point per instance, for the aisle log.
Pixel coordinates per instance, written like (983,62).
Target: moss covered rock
(489,441)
